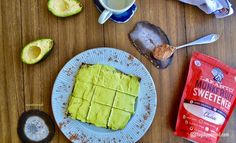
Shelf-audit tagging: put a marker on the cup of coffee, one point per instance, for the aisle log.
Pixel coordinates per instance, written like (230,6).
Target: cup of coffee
(113,7)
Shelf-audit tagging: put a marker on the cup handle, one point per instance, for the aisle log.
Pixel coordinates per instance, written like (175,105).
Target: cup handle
(106,14)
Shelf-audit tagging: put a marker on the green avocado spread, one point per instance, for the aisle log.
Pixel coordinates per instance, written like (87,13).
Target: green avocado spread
(103,96)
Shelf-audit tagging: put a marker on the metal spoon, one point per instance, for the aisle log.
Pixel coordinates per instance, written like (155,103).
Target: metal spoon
(204,40)
(161,54)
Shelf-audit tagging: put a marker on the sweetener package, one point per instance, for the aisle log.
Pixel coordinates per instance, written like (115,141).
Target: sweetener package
(208,100)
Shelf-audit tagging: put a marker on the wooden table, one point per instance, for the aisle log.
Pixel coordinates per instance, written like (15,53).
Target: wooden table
(25,87)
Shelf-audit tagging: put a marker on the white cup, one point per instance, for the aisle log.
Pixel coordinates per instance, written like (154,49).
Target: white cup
(113,7)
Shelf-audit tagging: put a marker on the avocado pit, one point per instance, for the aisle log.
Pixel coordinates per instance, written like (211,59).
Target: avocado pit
(64,8)
(63,5)
(34,52)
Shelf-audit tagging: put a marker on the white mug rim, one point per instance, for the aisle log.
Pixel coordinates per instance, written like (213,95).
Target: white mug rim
(116,10)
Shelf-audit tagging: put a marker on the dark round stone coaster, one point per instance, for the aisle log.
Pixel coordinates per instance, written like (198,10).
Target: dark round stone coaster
(35,126)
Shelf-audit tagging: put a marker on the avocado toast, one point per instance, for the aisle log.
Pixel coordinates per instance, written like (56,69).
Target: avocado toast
(103,96)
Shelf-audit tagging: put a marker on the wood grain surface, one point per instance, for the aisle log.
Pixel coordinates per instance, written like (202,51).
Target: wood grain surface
(25,87)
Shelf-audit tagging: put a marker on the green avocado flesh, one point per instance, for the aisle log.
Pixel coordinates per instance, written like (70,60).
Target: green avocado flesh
(37,50)
(118,119)
(83,90)
(103,96)
(99,114)
(129,84)
(89,73)
(109,74)
(64,8)
(124,102)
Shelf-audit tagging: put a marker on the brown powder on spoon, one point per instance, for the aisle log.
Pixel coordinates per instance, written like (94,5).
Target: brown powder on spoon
(163,52)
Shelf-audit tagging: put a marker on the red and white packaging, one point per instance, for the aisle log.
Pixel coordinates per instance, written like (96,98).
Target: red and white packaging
(208,100)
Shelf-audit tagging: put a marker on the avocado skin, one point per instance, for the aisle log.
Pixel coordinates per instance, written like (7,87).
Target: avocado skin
(44,57)
(67,15)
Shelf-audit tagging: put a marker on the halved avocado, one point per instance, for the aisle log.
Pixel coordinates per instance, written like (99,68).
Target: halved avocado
(37,50)
(64,8)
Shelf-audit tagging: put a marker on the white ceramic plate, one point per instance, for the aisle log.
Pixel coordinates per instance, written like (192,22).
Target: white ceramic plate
(79,132)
